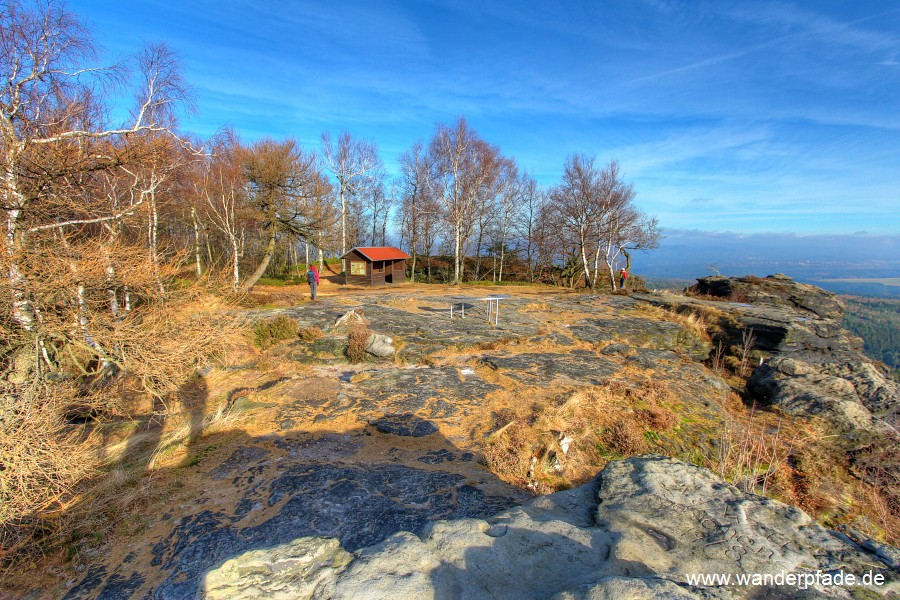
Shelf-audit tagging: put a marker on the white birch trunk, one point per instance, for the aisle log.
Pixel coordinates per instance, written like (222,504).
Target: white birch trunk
(196,241)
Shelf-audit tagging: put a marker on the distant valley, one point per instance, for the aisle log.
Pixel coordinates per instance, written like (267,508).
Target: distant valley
(862,265)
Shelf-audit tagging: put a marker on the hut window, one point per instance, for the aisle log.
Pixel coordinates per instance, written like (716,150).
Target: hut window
(357,268)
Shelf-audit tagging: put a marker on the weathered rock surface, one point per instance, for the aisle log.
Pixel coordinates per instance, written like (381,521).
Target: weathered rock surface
(663,335)
(542,368)
(774,290)
(380,345)
(643,529)
(815,366)
(320,486)
(351,513)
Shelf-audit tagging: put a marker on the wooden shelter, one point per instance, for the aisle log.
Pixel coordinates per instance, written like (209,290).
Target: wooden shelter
(384,265)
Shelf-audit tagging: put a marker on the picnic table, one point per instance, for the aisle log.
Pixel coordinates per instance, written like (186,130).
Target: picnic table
(493,305)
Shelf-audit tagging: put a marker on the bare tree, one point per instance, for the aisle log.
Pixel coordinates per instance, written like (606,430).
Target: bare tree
(418,209)
(381,202)
(575,202)
(595,208)
(630,230)
(353,163)
(530,228)
(465,170)
(510,190)
(324,213)
(221,184)
(53,130)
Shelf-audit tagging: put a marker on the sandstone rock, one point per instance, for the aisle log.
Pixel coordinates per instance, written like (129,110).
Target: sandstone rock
(774,290)
(816,367)
(664,335)
(674,518)
(380,345)
(651,525)
(350,318)
(541,368)
(852,397)
(405,425)
(300,568)
(617,588)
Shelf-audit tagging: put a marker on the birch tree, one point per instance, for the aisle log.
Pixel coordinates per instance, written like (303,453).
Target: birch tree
(575,202)
(53,130)
(465,169)
(531,226)
(418,209)
(353,164)
(222,186)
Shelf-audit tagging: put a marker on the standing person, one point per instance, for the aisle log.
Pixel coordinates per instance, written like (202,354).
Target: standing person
(312,278)
(623,276)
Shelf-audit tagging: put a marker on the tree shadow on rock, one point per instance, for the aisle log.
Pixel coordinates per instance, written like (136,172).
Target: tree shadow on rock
(359,486)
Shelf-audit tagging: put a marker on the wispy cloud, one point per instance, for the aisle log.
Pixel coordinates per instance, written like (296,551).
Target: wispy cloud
(733,115)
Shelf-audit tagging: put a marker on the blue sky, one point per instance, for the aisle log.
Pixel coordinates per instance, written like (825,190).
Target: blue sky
(727,116)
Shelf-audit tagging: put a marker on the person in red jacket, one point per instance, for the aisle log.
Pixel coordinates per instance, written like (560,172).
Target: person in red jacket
(623,277)
(312,278)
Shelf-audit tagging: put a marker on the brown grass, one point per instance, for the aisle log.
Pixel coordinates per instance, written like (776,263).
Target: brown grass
(272,331)
(656,418)
(694,322)
(750,453)
(509,450)
(598,422)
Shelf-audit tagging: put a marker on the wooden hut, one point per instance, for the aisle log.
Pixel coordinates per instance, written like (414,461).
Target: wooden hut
(384,265)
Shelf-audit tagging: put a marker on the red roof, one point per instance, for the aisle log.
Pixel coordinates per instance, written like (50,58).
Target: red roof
(381,253)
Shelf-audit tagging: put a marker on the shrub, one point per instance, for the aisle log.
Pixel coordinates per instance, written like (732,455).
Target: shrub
(357,342)
(268,333)
(508,451)
(657,418)
(749,456)
(636,283)
(626,437)
(311,334)
(42,459)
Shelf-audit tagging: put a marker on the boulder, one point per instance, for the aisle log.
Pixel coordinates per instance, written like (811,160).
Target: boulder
(380,345)
(852,396)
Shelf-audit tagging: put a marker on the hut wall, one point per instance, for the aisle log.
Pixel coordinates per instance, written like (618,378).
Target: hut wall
(354,274)
(399,271)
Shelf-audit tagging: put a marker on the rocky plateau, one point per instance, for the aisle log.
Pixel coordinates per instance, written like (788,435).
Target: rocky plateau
(339,480)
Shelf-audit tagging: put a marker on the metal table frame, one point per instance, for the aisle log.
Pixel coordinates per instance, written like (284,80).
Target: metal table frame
(493,306)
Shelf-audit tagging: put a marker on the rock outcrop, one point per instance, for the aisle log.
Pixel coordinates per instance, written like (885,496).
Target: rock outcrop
(813,366)
(647,527)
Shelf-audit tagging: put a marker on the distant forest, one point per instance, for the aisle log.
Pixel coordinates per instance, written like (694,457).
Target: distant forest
(877,322)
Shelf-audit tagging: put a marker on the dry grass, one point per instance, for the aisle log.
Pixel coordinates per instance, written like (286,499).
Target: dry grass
(509,450)
(695,322)
(656,418)
(626,437)
(750,453)
(558,442)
